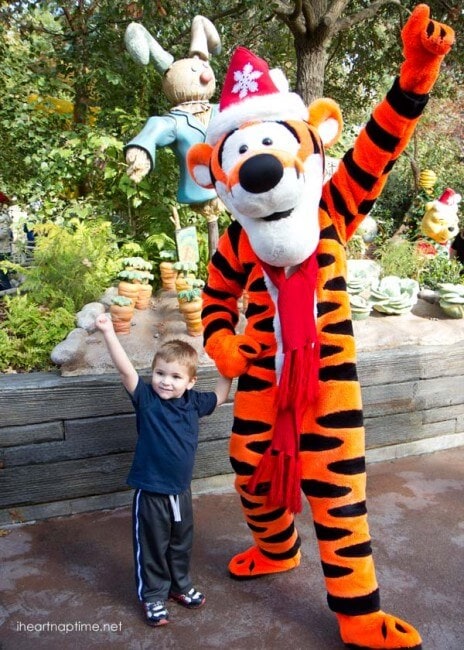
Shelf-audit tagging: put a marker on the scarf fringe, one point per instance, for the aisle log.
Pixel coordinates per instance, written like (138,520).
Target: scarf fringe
(281,463)
(285,480)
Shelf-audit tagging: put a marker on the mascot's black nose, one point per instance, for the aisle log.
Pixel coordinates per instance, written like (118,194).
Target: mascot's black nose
(260,173)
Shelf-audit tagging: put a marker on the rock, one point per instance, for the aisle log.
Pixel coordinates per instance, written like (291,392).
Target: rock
(71,349)
(109,294)
(426,324)
(86,317)
(429,295)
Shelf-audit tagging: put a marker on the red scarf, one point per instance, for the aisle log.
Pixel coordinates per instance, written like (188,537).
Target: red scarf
(297,386)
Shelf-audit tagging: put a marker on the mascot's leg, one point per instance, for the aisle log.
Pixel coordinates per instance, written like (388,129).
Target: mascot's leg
(276,540)
(334,481)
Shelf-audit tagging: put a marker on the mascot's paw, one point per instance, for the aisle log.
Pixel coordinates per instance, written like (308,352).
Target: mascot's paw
(423,33)
(231,353)
(253,564)
(378,631)
(426,42)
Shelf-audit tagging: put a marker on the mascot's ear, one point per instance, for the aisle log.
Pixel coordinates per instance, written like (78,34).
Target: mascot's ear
(326,117)
(198,159)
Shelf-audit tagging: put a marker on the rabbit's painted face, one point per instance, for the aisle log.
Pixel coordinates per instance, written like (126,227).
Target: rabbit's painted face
(189,79)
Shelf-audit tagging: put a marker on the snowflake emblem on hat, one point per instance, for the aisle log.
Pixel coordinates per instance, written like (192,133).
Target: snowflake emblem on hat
(245,80)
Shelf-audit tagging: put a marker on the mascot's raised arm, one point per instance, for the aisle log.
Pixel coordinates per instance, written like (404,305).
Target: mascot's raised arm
(298,421)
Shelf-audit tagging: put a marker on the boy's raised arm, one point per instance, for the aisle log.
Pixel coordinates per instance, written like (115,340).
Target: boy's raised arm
(129,376)
(222,389)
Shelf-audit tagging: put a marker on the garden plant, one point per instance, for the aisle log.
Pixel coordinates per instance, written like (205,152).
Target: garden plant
(73,98)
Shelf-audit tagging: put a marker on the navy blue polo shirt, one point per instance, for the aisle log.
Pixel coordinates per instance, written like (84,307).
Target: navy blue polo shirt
(167,438)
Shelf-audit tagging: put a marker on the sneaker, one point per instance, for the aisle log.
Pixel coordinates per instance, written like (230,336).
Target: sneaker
(156,613)
(192,599)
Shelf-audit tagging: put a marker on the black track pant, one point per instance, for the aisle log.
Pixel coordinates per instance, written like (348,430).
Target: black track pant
(162,546)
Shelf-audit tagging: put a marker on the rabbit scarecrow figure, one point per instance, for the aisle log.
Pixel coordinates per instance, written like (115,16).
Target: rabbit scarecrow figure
(298,420)
(189,84)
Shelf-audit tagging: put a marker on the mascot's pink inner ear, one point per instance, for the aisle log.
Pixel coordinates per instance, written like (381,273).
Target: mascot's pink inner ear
(326,117)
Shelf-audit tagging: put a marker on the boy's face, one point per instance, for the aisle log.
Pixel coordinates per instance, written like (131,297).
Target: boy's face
(170,379)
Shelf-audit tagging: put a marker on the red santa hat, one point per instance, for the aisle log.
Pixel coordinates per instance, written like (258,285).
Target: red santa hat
(450,198)
(253,92)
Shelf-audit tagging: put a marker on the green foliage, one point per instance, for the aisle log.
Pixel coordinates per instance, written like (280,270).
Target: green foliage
(121,301)
(29,332)
(439,270)
(189,295)
(356,248)
(395,200)
(72,263)
(143,277)
(185,267)
(400,258)
(137,262)
(160,247)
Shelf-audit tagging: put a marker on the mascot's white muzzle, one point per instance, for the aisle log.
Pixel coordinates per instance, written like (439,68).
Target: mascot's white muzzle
(271,197)
(265,186)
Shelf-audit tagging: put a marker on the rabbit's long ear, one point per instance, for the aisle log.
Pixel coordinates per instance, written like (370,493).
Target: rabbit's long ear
(142,46)
(205,39)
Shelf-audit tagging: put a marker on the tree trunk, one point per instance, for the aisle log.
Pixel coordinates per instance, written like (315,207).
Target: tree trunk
(311,61)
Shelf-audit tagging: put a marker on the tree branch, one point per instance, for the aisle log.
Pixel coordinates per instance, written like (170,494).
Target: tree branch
(364,14)
(334,12)
(215,18)
(446,5)
(285,11)
(309,15)
(300,20)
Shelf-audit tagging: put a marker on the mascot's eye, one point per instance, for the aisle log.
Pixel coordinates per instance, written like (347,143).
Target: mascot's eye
(243,148)
(267,142)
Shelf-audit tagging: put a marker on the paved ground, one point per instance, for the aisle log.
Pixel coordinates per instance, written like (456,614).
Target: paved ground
(70,579)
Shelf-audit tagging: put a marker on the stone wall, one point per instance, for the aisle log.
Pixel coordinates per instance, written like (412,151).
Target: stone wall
(66,443)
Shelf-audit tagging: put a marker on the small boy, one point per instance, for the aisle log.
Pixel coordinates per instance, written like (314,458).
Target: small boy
(167,414)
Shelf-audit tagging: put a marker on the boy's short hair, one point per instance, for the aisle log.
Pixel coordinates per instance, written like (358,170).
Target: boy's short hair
(180,351)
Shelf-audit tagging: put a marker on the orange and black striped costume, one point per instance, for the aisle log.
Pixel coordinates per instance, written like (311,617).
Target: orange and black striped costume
(331,441)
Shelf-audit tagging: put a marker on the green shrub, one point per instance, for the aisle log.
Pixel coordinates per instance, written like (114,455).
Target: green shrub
(400,258)
(440,270)
(29,332)
(72,263)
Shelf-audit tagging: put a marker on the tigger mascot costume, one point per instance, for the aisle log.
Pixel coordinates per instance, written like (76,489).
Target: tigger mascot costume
(298,422)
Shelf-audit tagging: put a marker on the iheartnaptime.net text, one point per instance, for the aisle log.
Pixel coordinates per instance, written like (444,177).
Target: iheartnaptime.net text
(68,627)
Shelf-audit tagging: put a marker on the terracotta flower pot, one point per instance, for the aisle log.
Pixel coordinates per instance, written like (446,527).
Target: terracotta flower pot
(129,289)
(144,295)
(122,318)
(191,312)
(182,281)
(168,276)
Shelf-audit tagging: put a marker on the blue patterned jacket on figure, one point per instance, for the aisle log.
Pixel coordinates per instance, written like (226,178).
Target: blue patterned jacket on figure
(180,130)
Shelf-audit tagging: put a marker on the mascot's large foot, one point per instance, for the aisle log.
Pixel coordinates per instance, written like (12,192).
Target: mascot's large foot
(378,631)
(253,564)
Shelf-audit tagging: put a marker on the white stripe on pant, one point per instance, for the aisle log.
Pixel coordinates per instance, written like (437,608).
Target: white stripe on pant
(162,545)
